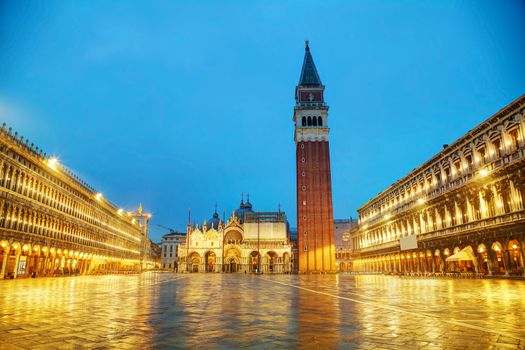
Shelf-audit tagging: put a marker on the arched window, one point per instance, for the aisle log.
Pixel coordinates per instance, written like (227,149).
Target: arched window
(304,121)
(319,121)
(309,121)
(315,121)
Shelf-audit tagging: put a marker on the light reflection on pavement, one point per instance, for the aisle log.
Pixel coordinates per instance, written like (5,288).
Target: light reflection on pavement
(165,310)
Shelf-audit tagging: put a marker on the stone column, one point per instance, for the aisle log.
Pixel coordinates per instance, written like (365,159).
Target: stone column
(37,265)
(4,264)
(45,265)
(490,254)
(52,266)
(505,254)
(17,259)
(392,265)
(522,253)
(30,265)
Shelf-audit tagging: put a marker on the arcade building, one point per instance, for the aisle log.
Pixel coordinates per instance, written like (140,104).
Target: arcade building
(52,223)
(462,211)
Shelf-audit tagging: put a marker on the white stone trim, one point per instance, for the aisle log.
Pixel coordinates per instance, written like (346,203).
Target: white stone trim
(311,134)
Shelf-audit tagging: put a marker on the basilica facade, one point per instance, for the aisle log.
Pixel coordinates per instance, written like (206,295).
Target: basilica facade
(247,242)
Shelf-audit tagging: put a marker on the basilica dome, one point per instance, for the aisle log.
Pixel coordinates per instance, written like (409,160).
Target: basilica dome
(214,221)
(243,209)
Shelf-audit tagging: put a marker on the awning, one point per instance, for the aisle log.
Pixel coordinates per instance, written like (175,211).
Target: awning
(465,254)
(459,256)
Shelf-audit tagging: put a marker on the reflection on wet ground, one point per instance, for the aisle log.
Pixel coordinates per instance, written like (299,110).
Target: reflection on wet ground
(164,310)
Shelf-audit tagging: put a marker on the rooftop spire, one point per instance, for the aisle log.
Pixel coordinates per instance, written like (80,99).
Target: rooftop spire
(309,75)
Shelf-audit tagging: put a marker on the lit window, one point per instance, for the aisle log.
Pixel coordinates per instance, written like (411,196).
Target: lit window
(482,154)
(514,138)
(497,146)
(469,159)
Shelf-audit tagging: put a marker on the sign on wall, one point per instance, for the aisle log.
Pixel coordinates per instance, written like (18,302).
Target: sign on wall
(408,243)
(22,265)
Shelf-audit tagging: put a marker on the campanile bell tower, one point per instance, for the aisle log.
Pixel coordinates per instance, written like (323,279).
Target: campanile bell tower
(315,217)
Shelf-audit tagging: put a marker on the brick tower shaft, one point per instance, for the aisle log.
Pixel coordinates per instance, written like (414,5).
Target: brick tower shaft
(315,224)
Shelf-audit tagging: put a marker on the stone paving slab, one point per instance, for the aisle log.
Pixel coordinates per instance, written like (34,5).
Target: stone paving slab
(214,311)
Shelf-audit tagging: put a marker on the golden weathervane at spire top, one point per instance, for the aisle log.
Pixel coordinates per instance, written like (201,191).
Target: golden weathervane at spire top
(140,209)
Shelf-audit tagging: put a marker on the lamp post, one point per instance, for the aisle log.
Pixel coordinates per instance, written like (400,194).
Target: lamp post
(188,229)
(258,243)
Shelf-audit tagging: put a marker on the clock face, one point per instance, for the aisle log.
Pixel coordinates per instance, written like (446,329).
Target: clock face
(311,96)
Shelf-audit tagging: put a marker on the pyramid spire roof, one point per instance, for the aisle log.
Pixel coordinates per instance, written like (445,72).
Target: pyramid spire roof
(309,75)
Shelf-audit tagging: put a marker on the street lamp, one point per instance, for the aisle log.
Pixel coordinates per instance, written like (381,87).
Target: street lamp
(258,243)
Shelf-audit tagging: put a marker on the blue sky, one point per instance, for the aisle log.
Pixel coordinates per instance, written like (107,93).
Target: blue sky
(184,104)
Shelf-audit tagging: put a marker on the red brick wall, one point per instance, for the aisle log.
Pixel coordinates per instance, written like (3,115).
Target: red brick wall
(319,223)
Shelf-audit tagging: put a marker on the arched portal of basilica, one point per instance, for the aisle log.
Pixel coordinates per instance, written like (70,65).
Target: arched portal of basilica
(248,242)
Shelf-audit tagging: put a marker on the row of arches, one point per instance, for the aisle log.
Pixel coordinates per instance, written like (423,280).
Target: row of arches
(312,121)
(211,239)
(502,197)
(345,266)
(19,259)
(21,219)
(234,262)
(488,258)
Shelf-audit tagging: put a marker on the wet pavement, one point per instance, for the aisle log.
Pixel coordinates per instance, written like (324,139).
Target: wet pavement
(167,311)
